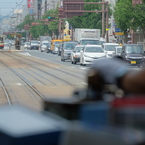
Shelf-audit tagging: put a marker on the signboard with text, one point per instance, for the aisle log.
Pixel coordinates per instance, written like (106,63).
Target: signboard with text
(119,33)
(30,3)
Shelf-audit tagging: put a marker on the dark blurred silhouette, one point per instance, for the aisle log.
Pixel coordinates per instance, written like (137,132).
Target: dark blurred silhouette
(114,71)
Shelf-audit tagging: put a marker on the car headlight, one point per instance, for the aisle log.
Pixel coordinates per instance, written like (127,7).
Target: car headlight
(76,56)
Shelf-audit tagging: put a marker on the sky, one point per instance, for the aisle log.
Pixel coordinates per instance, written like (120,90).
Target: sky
(7,6)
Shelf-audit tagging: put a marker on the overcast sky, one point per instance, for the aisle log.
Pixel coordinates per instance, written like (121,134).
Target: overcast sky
(7,6)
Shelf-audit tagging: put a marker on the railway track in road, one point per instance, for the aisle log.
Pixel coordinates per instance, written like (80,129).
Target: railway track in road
(30,81)
(46,72)
(6,94)
(24,80)
(65,71)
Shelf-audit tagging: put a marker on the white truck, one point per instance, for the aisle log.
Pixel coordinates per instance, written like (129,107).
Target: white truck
(44,38)
(87,36)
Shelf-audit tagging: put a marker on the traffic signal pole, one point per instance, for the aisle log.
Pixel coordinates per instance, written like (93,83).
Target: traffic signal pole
(66,12)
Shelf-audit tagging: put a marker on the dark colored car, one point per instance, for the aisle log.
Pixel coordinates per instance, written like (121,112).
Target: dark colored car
(59,46)
(67,49)
(133,54)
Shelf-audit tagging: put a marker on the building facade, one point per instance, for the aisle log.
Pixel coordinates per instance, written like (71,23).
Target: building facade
(49,5)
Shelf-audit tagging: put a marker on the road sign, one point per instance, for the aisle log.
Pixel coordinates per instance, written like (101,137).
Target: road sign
(31,11)
(119,33)
(118,30)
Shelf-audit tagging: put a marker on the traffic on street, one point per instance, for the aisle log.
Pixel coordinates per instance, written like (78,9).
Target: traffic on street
(72,72)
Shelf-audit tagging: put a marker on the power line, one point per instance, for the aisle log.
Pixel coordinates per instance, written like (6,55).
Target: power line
(13,10)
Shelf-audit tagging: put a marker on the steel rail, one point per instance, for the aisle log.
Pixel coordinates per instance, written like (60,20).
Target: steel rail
(22,78)
(55,76)
(6,92)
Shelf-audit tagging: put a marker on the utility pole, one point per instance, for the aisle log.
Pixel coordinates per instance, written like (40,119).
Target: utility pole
(107,27)
(103,20)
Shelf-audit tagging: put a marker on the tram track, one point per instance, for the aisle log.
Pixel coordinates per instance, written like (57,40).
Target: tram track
(63,71)
(8,98)
(23,79)
(46,72)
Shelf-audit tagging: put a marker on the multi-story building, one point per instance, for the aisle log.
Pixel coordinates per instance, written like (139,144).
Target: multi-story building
(49,4)
(24,11)
(37,6)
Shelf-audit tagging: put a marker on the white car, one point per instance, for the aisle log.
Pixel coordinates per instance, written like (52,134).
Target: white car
(45,46)
(75,54)
(109,49)
(26,45)
(91,53)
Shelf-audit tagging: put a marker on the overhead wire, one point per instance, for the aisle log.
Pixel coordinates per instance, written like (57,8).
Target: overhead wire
(13,10)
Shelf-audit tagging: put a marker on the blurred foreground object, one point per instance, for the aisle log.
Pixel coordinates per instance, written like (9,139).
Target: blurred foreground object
(22,126)
(114,71)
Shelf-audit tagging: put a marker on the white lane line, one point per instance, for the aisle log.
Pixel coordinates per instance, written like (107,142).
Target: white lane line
(25,53)
(18,84)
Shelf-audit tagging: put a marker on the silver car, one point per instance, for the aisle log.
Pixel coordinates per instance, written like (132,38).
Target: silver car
(75,55)
(117,50)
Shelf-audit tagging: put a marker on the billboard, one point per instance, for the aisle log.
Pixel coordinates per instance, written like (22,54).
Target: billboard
(30,3)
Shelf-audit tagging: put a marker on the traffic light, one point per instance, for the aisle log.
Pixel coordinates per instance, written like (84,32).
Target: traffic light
(18,30)
(50,18)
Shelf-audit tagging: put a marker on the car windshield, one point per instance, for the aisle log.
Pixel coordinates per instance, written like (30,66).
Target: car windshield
(78,49)
(101,42)
(57,42)
(47,44)
(134,49)
(70,46)
(110,47)
(58,45)
(90,42)
(94,49)
(34,42)
(119,50)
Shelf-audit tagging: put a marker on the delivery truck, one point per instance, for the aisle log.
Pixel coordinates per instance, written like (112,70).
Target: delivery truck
(87,36)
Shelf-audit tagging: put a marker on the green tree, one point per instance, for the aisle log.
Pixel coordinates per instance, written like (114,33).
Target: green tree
(123,16)
(89,20)
(27,21)
(53,25)
(129,17)
(138,22)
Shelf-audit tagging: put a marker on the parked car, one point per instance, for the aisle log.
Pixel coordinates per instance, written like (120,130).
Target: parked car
(34,45)
(117,50)
(67,49)
(133,54)
(109,49)
(91,53)
(75,55)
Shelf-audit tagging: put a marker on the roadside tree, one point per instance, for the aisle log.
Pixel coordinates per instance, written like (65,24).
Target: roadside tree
(129,17)
(89,20)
